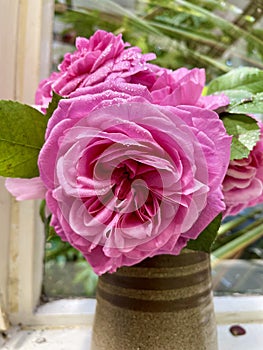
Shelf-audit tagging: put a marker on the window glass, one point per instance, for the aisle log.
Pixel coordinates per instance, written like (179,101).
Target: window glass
(67,273)
(240,244)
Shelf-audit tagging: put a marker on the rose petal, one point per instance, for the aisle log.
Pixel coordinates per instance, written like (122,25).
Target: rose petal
(24,189)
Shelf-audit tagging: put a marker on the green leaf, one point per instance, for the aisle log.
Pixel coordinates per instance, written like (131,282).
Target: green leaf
(236,245)
(42,211)
(53,104)
(245,132)
(237,96)
(181,32)
(225,24)
(245,78)
(50,233)
(205,240)
(22,130)
(243,102)
(115,10)
(250,104)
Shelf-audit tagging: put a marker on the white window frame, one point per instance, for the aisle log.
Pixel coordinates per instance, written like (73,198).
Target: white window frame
(25,41)
(26,29)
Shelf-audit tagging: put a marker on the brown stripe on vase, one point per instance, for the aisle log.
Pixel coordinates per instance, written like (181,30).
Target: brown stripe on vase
(148,294)
(156,283)
(167,266)
(185,258)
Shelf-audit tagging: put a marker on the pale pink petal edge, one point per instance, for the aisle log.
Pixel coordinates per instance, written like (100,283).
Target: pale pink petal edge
(23,189)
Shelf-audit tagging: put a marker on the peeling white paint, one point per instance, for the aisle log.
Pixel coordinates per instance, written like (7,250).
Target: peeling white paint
(80,337)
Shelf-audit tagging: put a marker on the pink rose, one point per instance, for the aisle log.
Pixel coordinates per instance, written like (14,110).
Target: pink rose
(184,87)
(103,93)
(101,57)
(243,184)
(128,179)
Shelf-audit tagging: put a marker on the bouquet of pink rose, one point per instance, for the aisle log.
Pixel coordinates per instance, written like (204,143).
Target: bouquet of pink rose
(131,158)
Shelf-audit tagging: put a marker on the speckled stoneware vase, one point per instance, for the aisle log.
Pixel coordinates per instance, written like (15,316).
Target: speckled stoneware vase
(163,303)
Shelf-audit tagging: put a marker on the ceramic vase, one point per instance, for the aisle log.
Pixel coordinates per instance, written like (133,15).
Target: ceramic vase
(162,303)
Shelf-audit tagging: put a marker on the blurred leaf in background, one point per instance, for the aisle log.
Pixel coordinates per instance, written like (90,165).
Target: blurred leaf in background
(67,273)
(216,35)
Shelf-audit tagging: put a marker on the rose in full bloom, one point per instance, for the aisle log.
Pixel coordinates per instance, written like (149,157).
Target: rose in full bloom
(184,87)
(243,184)
(101,57)
(127,179)
(162,86)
